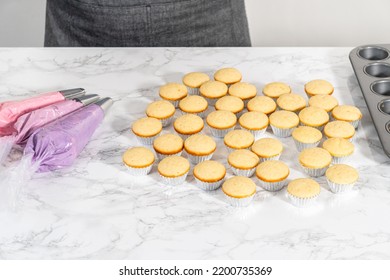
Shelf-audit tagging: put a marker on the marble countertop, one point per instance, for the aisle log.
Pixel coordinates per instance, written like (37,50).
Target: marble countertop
(96,210)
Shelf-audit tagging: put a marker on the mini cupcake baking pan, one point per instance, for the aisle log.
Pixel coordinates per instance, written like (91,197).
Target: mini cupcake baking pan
(371,64)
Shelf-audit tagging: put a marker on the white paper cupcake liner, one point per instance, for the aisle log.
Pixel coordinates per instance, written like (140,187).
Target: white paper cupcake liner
(233,149)
(340,188)
(207,186)
(162,156)
(167,121)
(243,172)
(173,102)
(211,101)
(197,159)
(315,172)
(337,160)
(262,159)
(301,146)
(355,124)
(139,171)
(201,114)
(282,132)
(146,140)
(239,202)
(220,133)
(256,133)
(272,186)
(193,91)
(185,136)
(173,181)
(320,128)
(302,202)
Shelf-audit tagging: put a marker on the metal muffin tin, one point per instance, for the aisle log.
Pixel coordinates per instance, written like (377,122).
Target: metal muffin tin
(371,64)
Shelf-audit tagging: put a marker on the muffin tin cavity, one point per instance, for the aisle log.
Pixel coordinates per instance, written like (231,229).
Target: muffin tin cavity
(381,87)
(388,127)
(384,106)
(378,70)
(373,53)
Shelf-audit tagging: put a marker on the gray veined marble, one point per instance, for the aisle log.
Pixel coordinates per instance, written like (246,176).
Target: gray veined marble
(95,210)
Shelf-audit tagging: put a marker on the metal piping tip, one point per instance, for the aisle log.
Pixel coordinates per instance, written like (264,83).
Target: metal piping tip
(105,103)
(72,93)
(88,99)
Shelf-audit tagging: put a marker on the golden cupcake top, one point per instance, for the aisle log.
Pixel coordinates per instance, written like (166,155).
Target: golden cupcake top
(228,76)
(336,129)
(239,187)
(193,104)
(267,147)
(243,90)
(230,103)
(324,101)
(276,89)
(263,104)
(188,124)
(209,171)
(338,147)
(173,166)
(272,171)
(160,109)
(239,139)
(342,174)
(284,119)
(347,113)
(318,87)
(243,159)
(173,91)
(254,120)
(213,89)
(195,79)
(291,102)
(146,127)
(303,188)
(221,119)
(315,158)
(200,144)
(313,116)
(138,157)
(168,144)
(307,134)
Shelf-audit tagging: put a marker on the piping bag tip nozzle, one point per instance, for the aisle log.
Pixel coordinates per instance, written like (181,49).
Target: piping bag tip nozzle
(88,99)
(105,103)
(72,93)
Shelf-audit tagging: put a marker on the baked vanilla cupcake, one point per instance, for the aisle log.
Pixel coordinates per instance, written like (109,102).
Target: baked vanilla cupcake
(283,122)
(221,122)
(314,116)
(339,129)
(272,175)
(339,148)
(168,145)
(138,160)
(209,174)
(173,170)
(187,125)
(199,147)
(267,149)
(306,137)
(230,103)
(173,92)
(238,139)
(347,113)
(303,192)
(326,102)
(243,162)
(315,161)
(228,76)
(194,80)
(239,191)
(255,122)
(162,110)
(212,91)
(262,104)
(194,104)
(244,91)
(291,102)
(146,129)
(341,178)
(318,87)
(276,89)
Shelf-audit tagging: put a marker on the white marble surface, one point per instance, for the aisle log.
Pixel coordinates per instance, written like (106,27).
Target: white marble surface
(95,210)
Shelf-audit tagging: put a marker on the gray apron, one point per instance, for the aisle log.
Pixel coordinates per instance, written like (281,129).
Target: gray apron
(146,23)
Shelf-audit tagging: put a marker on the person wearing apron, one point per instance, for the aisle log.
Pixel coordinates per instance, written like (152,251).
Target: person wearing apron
(146,23)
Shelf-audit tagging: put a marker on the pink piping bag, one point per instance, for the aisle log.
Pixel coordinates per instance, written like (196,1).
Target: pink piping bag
(28,123)
(10,111)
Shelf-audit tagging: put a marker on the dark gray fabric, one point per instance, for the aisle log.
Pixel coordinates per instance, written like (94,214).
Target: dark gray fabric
(150,23)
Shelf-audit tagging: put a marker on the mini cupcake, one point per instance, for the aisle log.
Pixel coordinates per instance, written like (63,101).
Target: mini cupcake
(315,161)
(262,104)
(347,113)
(341,178)
(255,122)
(326,102)
(339,129)
(199,147)
(291,102)
(239,191)
(314,117)
(244,91)
(267,149)
(318,87)
(194,80)
(188,125)
(283,123)
(272,175)
(146,130)
(168,145)
(194,104)
(162,110)
(243,162)
(339,148)
(230,103)
(276,89)
(221,122)
(212,91)
(209,174)
(238,139)
(173,170)
(138,160)
(306,137)
(173,92)
(228,76)
(303,192)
